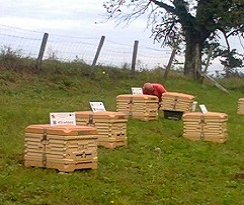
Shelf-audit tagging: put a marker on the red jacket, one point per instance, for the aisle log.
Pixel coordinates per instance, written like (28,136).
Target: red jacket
(158,90)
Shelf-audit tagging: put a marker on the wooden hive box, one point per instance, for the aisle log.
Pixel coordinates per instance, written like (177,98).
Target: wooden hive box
(174,104)
(240,108)
(111,126)
(142,107)
(62,147)
(211,126)
(177,101)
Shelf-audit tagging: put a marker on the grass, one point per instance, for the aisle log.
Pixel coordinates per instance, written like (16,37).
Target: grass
(157,167)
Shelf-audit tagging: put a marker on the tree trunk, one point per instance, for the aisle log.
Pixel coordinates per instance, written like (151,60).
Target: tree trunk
(192,66)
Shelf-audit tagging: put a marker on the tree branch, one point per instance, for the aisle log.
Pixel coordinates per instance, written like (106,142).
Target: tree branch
(225,37)
(164,6)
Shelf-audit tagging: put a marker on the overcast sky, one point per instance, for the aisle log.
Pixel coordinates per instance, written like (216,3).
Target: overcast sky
(83,18)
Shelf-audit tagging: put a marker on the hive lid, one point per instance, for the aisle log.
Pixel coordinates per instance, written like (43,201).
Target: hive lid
(208,115)
(137,97)
(241,100)
(101,114)
(179,95)
(65,130)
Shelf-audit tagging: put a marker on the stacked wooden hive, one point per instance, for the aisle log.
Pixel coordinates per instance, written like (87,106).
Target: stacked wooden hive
(175,104)
(62,147)
(142,107)
(210,126)
(240,109)
(111,126)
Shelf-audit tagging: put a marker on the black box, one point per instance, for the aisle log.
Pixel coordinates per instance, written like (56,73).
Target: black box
(172,114)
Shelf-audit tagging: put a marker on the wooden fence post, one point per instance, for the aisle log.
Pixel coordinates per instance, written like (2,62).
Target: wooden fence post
(133,65)
(172,56)
(208,59)
(215,83)
(41,51)
(98,50)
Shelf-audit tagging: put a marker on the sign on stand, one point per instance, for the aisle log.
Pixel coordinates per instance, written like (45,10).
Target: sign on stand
(62,118)
(136,91)
(203,109)
(97,106)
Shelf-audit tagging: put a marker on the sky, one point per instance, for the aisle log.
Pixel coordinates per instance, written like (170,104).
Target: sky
(77,17)
(84,18)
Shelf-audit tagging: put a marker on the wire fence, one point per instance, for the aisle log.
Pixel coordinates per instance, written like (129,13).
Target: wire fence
(68,48)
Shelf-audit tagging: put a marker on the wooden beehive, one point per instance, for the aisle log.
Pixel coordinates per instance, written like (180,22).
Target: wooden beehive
(210,126)
(177,102)
(240,109)
(111,126)
(142,107)
(62,147)
(174,104)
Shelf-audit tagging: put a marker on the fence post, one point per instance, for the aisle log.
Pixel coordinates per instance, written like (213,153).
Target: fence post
(208,59)
(41,51)
(133,65)
(172,56)
(98,50)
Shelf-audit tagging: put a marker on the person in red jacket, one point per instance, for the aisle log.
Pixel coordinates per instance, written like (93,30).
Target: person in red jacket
(155,89)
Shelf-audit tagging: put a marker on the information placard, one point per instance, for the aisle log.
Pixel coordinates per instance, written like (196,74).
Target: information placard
(97,106)
(136,91)
(203,109)
(62,118)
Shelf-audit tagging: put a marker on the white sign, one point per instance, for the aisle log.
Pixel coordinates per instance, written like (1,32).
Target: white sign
(203,109)
(62,118)
(97,106)
(136,91)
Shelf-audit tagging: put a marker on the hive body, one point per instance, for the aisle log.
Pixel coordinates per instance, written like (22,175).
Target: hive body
(111,126)
(62,147)
(211,126)
(175,104)
(240,109)
(142,107)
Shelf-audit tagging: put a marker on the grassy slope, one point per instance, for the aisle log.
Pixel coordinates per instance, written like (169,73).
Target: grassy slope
(158,166)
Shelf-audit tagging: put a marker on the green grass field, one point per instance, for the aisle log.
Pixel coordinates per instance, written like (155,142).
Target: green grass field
(159,166)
